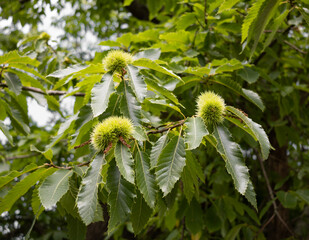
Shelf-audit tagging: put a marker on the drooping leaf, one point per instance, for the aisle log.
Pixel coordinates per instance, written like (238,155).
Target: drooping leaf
(76,228)
(100,94)
(141,213)
(170,164)
(54,187)
(120,198)
(257,130)
(14,57)
(195,132)
(250,18)
(251,195)
(233,158)
(254,98)
(147,63)
(13,82)
(22,187)
(157,149)
(137,81)
(67,71)
(129,105)
(87,198)
(36,204)
(145,179)
(14,174)
(124,162)
(6,132)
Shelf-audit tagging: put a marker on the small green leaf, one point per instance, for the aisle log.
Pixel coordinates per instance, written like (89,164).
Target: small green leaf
(195,132)
(54,187)
(67,71)
(124,162)
(227,5)
(6,133)
(129,105)
(145,180)
(100,94)
(248,74)
(287,199)
(137,82)
(303,195)
(48,154)
(170,164)
(13,82)
(141,213)
(87,198)
(157,149)
(152,54)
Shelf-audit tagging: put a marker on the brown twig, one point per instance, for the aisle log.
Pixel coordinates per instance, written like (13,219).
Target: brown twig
(265,225)
(48,92)
(180,123)
(272,196)
(109,147)
(294,47)
(83,144)
(67,168)
(124,142)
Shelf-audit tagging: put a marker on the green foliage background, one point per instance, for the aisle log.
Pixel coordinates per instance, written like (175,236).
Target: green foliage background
(179,179)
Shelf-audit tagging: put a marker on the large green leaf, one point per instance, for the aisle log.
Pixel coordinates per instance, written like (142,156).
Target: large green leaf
(195,132)
(54,187)
(157,149)
(147,63)
(67,71)
(233,157)
(22,187)
(170,164)
(145,179)
(14,174)
(129,105)
(137,82)
(250,18)
(100,94)
(120,198)
(124,162)
(87,198)
(14,57)
(141,213)
(257,130)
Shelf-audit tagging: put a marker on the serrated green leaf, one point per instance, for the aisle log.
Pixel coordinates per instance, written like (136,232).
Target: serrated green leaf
(54,187)
(250,18)
(141,213)
(152,85)
(254,98)
(251,195)
(67,71)
(120,198)
(14,174)
(157,149)
(233,158)
(129,105)
(6,133)
(87,198)
(145,180)
(147,63)
(14,57)
(36,204)
(256,129)
(13,82)
(287,199)
(124,162)
(195,132)
(152,54)
(76,229)
(137,82)
(100,94)
(48,154)
(263,18)
(227,5)
(248,74)
(170,164)
(22,187)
